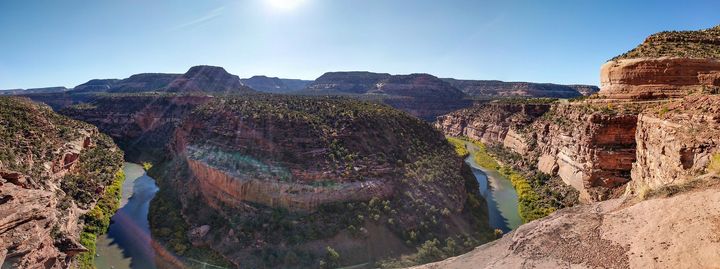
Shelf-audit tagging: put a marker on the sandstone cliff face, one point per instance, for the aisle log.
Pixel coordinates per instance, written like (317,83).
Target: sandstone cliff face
(676,141)
(591,150)
(589,146)
(490,123)
(41,153)
(658,78)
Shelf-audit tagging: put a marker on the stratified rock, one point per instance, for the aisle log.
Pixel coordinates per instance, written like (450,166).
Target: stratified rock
(676,141)
(41,204)
(658,78)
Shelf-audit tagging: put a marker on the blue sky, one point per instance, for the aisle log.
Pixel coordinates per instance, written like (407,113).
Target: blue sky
(65,43)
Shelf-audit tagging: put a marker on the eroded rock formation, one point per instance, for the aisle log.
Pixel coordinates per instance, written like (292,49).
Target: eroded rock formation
(676,141)
(41,203)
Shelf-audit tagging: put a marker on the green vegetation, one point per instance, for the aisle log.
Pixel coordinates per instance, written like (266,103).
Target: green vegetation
(532,205)
(147,166)
(459,146)
(32,134)
(331,260)
(433,250)
(97,220)
(688,44)
(714,166)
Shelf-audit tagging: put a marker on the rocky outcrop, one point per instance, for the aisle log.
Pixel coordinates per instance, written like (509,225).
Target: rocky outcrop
(589,148)
(610,234)
(676,141)
(41,154)
(208,79)
(658,78)
(275,85)
(492,89)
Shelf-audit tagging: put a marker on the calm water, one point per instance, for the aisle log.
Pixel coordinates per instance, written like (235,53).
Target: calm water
(501,197)
(127,243)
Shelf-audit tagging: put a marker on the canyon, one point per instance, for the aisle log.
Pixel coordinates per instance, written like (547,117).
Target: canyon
(643,153)
(335,168)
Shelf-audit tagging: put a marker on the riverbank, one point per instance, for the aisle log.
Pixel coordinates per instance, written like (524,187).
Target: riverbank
(531,205)
(128,242)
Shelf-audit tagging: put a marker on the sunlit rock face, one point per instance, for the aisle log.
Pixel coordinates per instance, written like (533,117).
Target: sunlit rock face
(677,141)
(53,170)
(658,78)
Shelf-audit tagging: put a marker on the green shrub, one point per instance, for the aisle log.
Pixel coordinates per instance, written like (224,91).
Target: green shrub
(459,146)
(714,166)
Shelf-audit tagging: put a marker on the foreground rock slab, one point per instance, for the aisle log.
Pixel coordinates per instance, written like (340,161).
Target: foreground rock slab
(682,231)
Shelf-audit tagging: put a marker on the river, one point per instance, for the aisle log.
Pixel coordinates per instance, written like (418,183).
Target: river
(128,243)
(499,193)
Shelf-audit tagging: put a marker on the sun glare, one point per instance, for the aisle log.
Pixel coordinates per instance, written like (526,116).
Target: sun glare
(285,4)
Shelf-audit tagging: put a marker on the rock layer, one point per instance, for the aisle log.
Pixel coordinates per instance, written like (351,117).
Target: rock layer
(676,141)
(40,204)
(658,78)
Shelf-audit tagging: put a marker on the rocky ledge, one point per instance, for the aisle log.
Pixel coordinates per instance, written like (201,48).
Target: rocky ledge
(658,78)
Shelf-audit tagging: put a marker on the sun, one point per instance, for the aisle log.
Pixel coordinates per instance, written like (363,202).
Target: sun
(285,4)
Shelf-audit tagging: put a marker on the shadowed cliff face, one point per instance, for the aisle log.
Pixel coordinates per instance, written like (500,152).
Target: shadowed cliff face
(491,89)
(315,172)
(53,170)
(275,85)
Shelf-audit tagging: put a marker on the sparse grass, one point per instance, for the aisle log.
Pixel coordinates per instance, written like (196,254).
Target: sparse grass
(147,166)
(459,146)
(714,166)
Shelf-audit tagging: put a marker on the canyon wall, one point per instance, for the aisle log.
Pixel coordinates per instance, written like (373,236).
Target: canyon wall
(590,146)
(677,141)
(52,172)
